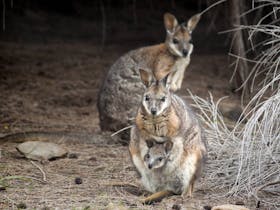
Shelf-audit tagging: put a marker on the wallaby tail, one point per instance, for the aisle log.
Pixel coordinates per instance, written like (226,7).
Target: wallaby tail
(156,197)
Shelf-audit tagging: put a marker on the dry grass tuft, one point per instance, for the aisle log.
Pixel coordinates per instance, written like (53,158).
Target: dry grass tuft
(246,160)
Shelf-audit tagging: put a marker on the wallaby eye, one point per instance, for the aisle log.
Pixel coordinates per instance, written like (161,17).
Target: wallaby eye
(163,99)
(147,98)
(175,41)
(147,156)
(160,159)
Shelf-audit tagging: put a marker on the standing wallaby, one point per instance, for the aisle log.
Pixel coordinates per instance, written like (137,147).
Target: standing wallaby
(163,116)
(122,88)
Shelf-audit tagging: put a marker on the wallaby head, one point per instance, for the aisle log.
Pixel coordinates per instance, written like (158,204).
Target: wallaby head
(157,154)
(178,36)
(156,98)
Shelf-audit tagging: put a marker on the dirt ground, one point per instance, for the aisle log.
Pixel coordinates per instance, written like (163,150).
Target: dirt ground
(53,86)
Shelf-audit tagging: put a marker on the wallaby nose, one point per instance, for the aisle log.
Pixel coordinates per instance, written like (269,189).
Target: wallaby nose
(150,166)
(153,111)
(185,52)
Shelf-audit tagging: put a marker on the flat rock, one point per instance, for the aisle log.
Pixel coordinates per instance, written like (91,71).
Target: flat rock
(229,207)
(37,150)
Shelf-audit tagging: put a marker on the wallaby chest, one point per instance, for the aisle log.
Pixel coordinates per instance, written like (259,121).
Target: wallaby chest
(180,64)
(166,125)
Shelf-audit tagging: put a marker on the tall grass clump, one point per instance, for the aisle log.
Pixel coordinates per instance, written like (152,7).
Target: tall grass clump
(245,161)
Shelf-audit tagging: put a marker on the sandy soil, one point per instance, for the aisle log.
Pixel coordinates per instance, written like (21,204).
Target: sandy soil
(53,86)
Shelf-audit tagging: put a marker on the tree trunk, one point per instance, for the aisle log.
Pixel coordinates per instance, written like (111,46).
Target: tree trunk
(238,46)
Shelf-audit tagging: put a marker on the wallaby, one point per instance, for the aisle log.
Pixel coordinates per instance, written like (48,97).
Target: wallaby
(163,116)
(122,81)
(158,153)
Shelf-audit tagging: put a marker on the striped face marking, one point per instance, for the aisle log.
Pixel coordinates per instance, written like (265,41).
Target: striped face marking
(156,99)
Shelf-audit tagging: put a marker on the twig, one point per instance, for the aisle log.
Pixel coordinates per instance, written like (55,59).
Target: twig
(211,6)
(267,184)
(121,130)
(42,171)
(121,184)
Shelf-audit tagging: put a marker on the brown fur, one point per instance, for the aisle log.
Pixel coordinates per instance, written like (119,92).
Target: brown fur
(158,58)
(167,125)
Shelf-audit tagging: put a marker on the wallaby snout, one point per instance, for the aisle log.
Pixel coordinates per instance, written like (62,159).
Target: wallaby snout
(156,98)
(154,110)
(185,52)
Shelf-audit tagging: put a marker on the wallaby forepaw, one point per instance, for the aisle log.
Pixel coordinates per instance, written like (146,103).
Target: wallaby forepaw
(174,87)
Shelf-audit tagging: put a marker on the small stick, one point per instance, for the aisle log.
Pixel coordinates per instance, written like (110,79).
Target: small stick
(268,184)
(121,130)
(42,171)
(121,184)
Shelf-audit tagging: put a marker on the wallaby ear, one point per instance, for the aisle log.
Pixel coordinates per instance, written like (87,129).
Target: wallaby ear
(170,22)
(168,146)
(146,77)
(193,21)
(150,143)
(164,80)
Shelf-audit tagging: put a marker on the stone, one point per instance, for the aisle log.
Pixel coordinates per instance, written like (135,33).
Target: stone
(21,205)
(78,180)
(176,207)
(37,150)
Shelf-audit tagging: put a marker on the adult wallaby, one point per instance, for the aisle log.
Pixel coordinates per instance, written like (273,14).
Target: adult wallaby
(122,88)
(163,116)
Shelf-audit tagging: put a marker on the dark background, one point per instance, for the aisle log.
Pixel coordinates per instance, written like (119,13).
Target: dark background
(132,23)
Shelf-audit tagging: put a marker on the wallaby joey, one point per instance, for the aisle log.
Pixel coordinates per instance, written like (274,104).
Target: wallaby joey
(157,154)
(122,88)
(172,163)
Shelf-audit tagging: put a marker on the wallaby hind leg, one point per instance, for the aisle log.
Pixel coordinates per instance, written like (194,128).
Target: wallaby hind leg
(156,197)
(190,190)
